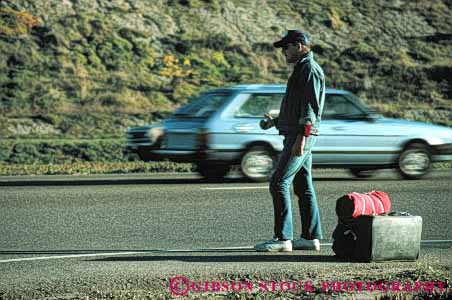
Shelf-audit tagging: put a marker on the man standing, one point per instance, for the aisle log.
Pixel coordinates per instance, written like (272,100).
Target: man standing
(298,122)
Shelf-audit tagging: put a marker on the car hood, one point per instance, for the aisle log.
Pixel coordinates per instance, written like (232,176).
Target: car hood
(176,124)
(140,128)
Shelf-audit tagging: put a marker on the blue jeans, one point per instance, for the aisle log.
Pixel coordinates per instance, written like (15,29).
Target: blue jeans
(296,169)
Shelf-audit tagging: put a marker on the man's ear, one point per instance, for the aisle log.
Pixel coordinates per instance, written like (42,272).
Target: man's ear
(302,48)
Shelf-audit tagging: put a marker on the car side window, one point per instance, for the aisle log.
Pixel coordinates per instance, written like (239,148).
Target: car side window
(339,107)
(259,104)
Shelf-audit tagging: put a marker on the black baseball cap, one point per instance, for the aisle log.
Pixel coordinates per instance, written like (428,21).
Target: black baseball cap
(293,36)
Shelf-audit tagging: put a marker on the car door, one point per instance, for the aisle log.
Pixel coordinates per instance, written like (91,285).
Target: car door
(350,137)
(240,122)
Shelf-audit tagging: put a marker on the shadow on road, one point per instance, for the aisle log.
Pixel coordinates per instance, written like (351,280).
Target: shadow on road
(432,244)
(256,258)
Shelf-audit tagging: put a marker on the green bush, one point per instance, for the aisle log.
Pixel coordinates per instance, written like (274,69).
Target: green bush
(115,52)
(93,168)
(113,59)
(64,151)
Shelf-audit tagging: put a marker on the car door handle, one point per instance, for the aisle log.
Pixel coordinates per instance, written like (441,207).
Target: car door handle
(244,128)
(339,128)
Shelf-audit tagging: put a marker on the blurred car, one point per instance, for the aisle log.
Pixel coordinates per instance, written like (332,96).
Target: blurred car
(221,129)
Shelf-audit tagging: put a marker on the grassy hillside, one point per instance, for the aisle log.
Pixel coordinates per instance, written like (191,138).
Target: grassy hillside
(89,69)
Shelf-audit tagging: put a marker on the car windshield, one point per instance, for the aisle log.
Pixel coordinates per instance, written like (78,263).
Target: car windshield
(203,106)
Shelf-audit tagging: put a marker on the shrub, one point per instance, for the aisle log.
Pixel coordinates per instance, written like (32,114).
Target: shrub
(183,92)
(115,52)
(335,19)
(363,52)
(93,168)
(14,23)
(62,151)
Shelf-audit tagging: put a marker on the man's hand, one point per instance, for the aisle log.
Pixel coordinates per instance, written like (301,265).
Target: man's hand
(298,146)
(266,123)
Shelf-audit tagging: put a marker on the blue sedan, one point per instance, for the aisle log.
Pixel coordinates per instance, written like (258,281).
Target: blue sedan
(221,129)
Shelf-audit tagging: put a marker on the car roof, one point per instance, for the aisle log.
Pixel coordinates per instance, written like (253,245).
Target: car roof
(270,88)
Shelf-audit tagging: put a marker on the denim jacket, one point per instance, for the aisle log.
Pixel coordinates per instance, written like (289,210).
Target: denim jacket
(304,98)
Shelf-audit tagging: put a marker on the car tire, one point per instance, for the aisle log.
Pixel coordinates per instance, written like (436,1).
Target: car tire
(257,164)
(213,171)
(362,173)
(414,161)
(144,156)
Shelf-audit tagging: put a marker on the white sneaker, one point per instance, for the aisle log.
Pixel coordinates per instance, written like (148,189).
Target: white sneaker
(274,245)
(304,244)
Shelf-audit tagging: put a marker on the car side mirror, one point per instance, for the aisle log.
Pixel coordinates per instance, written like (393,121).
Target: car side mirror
(368,117)
(274,113)
(371,117)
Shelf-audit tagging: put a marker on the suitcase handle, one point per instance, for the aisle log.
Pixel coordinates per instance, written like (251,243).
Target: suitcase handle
(399,213)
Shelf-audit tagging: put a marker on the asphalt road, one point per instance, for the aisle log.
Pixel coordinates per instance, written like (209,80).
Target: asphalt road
(108,216)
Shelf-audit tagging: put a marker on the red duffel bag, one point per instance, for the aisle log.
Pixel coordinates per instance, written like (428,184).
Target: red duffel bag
(353,205)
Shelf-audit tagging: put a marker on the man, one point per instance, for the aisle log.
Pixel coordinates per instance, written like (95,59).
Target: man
(298,121)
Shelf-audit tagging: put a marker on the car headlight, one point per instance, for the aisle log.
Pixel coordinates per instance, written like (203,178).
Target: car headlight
(155,133)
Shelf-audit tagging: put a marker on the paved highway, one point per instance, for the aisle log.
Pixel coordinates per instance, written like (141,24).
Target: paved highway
(115,218)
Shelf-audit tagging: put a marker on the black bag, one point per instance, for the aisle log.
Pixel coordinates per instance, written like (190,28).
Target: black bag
(379,238)
(344,240)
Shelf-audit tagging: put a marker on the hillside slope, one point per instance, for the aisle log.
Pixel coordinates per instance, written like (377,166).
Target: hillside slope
(69,59)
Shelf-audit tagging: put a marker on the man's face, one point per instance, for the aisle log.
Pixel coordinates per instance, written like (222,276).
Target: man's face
(291,53)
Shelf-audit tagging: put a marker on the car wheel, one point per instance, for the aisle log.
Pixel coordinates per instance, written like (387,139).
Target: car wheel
(363,173)
(212,171)
(414,162)
(144,156)
(257,164)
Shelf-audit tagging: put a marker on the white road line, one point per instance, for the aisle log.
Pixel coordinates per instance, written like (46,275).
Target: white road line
(125,253)
(66,256)
(244,248)
(235,188)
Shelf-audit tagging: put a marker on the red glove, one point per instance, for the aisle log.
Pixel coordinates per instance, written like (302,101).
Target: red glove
(307,130)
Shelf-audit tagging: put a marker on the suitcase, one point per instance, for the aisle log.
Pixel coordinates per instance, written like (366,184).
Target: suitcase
(381,238)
